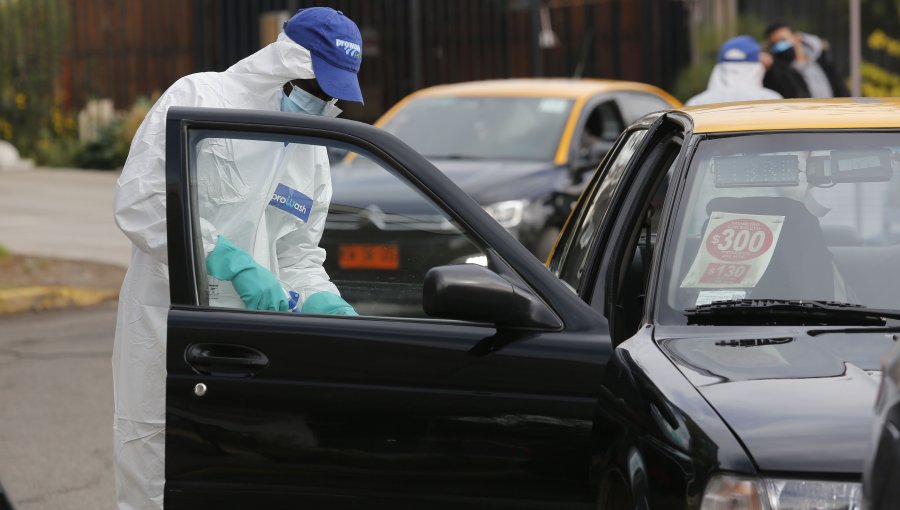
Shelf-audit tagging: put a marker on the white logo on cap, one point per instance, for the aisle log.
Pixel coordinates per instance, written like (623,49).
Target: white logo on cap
(735,54)
(350,48)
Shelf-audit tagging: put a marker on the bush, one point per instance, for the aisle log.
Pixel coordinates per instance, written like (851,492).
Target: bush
(110,149)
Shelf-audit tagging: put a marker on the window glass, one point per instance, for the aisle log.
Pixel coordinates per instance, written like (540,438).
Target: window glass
(604,124)
(807,216)
(575,244)
(519,128)
(637,104)
(274,219)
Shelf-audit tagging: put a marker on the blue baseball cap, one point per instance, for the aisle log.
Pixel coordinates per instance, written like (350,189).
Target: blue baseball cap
(742,48)
(335,44)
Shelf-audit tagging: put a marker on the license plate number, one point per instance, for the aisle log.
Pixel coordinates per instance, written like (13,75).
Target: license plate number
(369,256)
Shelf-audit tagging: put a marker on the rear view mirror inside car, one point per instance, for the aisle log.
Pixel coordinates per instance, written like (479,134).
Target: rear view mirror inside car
(872,165)
(861,166)
(764,170)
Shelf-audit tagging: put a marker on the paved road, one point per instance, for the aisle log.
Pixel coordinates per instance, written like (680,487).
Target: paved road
(61,213)
(56,409)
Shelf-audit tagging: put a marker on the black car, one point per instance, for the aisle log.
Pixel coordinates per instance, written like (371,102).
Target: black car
(881,478)
(4,501)
(522,148)
(708,333)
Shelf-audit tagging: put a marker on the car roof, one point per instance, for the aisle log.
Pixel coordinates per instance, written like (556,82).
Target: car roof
(794,114)
(570,88)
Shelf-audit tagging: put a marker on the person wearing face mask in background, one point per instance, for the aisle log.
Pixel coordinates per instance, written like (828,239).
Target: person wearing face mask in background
(737,75)
(809,56)
(313,63)
(780,73)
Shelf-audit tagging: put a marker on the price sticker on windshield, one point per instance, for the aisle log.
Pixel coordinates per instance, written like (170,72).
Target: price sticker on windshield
(735,251)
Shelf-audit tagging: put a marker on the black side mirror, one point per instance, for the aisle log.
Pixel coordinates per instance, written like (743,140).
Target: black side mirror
(474,293)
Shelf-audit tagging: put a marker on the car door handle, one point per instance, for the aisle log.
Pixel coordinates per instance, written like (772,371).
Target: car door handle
(225,359)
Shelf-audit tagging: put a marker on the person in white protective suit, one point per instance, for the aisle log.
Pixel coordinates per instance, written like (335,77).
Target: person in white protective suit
(737,75)
(262,211)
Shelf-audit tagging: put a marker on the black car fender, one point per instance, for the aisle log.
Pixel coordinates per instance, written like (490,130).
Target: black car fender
(656,433)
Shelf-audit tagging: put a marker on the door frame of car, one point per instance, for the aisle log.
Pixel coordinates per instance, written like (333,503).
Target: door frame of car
(567,357)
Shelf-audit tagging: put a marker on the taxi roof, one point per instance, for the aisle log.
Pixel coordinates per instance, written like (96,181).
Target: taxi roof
(793,114)
(570,88)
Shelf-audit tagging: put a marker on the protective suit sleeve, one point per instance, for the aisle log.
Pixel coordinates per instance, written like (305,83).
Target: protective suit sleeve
(256,285)
(300,258)
(140,198)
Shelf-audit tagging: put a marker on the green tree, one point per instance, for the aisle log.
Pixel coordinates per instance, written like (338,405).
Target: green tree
(33,35)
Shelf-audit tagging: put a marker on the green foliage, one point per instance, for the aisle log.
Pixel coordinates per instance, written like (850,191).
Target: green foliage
(105,152)
(110,150)
(33,35)
(4,252)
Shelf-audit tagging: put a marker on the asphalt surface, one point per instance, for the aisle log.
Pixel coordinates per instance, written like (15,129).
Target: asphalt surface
(62,213)
(56,409)
(56,399)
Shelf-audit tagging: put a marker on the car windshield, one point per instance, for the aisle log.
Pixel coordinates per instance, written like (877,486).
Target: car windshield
(517,128)
(788,216)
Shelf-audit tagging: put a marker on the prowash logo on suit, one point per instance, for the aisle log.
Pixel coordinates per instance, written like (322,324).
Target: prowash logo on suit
(292,202)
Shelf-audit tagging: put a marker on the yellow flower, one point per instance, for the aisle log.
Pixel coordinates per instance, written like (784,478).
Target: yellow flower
(20,100)
(6,130)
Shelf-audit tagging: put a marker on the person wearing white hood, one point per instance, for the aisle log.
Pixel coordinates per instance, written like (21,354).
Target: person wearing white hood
(737,75)
(313,63)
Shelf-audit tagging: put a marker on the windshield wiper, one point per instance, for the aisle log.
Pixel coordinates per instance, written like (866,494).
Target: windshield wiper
(788,311)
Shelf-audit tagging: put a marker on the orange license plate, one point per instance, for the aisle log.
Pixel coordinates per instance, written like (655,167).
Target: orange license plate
(369,256)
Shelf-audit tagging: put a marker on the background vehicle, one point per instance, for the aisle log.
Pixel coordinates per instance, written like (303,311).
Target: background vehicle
(4,501)
(522,148)
(652,385)
(880,487)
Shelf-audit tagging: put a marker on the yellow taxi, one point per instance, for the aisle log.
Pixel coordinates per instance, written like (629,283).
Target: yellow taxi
(745,258)
(522,147)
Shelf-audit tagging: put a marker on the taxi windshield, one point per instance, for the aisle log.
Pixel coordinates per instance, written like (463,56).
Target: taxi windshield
(788,217)
(516,128)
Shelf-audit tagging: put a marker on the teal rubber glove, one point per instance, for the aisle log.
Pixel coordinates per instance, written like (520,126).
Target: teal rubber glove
(326,303)
(257,286)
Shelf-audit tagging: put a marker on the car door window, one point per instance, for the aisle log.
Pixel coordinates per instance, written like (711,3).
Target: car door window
(341,239)
(603,124)
(637,104)
(570,260)
(633,261)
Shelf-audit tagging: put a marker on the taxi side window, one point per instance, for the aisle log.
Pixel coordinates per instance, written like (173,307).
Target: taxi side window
(604,124)
(571,258)
(277,219)
(637,104)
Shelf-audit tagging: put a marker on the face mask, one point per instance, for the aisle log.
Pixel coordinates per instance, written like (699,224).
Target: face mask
(301,101)
(784,50)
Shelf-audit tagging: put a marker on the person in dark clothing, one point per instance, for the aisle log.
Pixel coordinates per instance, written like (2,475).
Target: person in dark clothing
(780,74)
(811,59)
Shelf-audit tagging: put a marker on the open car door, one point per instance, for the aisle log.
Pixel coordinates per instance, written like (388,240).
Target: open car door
(489,401)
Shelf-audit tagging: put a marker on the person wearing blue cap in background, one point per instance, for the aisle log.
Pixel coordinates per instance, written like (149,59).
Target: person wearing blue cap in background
(737,75)
(313,63)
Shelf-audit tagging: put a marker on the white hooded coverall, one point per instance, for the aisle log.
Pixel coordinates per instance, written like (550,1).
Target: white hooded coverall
(237,180)
(734,81)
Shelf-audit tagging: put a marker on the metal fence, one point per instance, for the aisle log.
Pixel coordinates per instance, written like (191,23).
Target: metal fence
(409,44)
(122,49)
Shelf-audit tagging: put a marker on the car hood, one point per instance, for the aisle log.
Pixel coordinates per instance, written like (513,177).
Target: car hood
(489,182)
(798,402)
